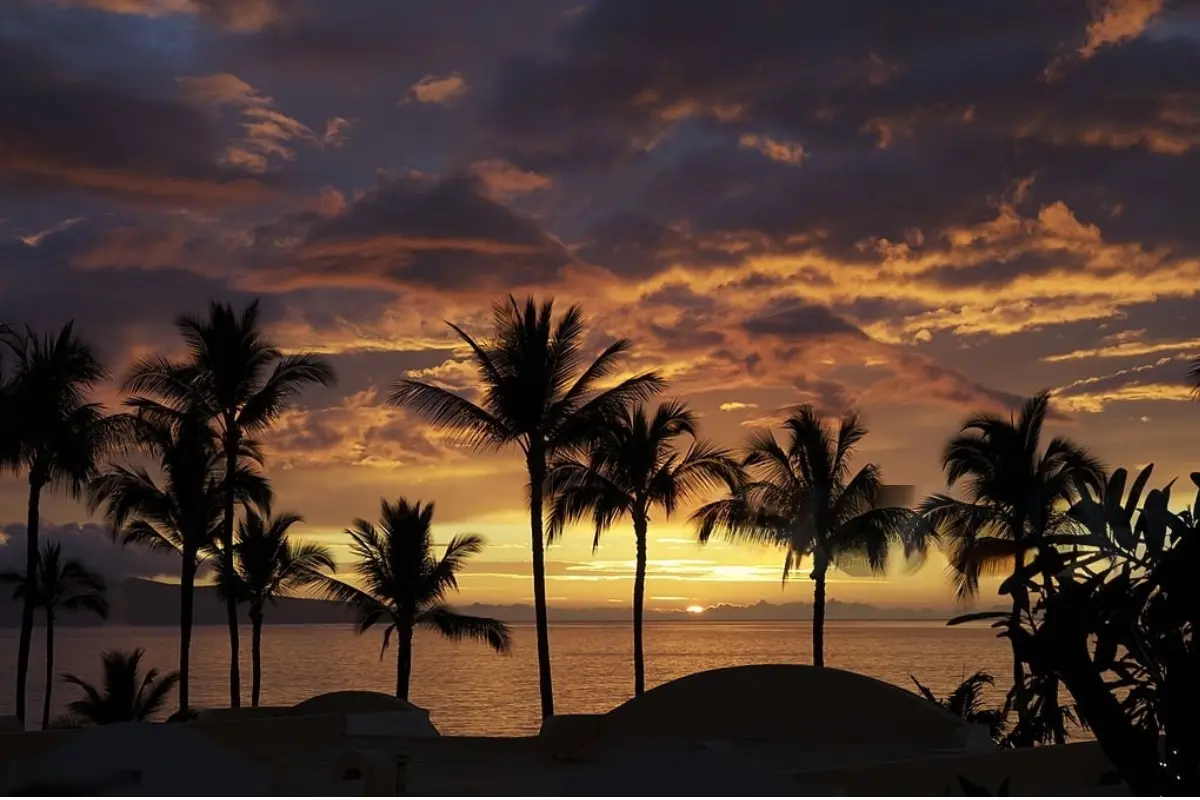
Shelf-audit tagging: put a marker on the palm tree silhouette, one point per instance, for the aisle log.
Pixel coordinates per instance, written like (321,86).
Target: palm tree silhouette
(126,695)
(966,702)
(59,585)
(536,393)
(1016,494)
(243,382)
(55,435)
(181,512)
(405,585)
(633,466)
(800,495)
(270,564)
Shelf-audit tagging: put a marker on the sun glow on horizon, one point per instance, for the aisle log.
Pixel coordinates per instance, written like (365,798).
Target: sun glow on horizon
(695,609)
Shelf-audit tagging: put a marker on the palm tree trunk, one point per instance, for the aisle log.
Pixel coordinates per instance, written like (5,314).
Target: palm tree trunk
(639,600)
(403,660)
(820,567)
(1019,692)
(256,622)
(187,595)
(27,606)
(49,669)
(537,477)
(1053,709)
(231,612)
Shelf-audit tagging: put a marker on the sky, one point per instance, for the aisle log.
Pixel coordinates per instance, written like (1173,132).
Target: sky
(921,210)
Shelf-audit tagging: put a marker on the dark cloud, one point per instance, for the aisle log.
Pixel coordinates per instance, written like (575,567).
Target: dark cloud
(66,130)
(93,545)
(440,234)
(797,321)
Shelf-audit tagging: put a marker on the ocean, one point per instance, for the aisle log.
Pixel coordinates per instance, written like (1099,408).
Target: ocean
(469,690)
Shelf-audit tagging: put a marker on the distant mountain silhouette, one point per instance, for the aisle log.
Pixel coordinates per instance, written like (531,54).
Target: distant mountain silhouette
(136,601)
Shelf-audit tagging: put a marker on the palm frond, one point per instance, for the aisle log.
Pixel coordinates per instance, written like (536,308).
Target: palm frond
(456,626)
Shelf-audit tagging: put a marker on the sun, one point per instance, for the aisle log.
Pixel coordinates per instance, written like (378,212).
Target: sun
(695,609)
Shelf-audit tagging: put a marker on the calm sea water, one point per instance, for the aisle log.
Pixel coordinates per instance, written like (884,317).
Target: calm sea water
(471,691)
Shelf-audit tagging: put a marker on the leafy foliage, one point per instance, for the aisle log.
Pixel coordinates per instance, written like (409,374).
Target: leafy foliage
(405,586)
(537,391)
(125,696)
(966,702)
(801,495)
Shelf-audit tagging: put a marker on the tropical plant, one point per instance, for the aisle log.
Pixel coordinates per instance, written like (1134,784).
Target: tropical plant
(54,434)
(182,510)
(1120,631)
(242,382)
(125,696)
(405,585)
(270,564)
(537,393)
(58,585)
(1015,496)
(632,467)
(966,703)
(800,495)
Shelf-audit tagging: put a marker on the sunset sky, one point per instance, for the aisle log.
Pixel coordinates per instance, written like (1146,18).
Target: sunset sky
(921,209)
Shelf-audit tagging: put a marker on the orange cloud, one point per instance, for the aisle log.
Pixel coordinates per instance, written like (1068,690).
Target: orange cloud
(775,149)
(442,90)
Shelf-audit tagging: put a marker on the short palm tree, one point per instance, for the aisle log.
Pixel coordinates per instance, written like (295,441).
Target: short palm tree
(181,511)
(801,495)
(405,585)
(126,695)
(632,467)
(243,382)
(59,585)
(537,393)
(1015,495)
(269,565)
(966,702)
(54,434)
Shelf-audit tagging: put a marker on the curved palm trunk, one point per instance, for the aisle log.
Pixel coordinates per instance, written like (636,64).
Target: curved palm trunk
(27,606)
(404,636)
(639,600)
(537,478)
(256,622)
(49,669)
(1020,693)
(820,567)
(231,613)
(187,595)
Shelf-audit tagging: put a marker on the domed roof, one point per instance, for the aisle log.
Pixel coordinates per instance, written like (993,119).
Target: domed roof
(780,702)
(352,702)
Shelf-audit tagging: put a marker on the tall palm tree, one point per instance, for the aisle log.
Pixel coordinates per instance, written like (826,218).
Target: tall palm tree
(59,585)
(405,585)
(270,564)
(536,393)
(1015,494)
(243,382)
(55,435)
(183,509)
(126,695)
(800,495)
(632,467)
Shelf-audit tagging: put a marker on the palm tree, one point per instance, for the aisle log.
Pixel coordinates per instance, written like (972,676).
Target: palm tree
(270,564)
(59,586)
(243,382)
(966,702)
(536,393)
(800,495)
(1015,495)
(632,467)
(126,695)
(405,586)
(182,511)
(60,440)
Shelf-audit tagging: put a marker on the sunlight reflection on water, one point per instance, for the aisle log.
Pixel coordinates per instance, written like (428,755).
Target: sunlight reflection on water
(470,690)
